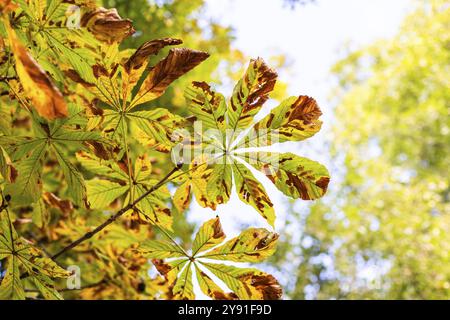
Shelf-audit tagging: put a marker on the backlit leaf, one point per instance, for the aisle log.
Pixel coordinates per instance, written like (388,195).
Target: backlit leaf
(252,245)
(45,96)
(178,62)
(252,192)
(209,235)
(295,176)
(250,93)
(247,284)
(295,119)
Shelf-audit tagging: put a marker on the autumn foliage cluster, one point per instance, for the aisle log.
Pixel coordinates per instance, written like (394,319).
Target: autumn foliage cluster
(90,189)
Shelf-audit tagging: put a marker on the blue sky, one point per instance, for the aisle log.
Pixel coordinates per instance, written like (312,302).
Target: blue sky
(313,38)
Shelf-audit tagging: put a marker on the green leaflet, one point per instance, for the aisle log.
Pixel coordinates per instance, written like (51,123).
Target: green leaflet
(295,176)
(209,235)
(252,245)
(45,285)
(156,127)
(101,193)
(153,249)
(27,188)
(247,284)
(210,288)
(183,288)
(250,93)
(101,167)
(79,59)
(40,214)
(11,286)
(208,107)
(74,179)
(153,208)
(295,119)
(252,192)
(194,182)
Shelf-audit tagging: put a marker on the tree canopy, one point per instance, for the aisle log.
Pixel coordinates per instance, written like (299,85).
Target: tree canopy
(97,172)
(383,231)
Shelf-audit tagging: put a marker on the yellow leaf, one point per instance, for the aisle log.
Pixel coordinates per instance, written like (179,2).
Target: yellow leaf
(45,96)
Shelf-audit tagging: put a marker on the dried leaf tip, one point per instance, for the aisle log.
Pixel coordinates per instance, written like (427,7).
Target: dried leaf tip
(107,25)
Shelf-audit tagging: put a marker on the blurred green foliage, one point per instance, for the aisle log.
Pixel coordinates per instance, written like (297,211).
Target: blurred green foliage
(384,230)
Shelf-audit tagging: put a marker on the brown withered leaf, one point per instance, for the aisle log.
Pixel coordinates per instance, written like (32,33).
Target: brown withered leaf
(45,96)
(52,200)
(138,59)
(136,64)
(178,62)
(106,25)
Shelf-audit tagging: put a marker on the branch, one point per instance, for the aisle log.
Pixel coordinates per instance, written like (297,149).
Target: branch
(115,216)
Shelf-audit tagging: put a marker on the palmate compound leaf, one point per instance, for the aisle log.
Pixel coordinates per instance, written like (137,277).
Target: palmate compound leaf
(22,257)
(295,119)
(114,82)
(117,180)
(28,154)
(89,54)
(252,245)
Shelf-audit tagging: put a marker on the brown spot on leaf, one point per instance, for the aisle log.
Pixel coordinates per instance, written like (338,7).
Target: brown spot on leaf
(162,267)
(74,76)
(99,71)
(322,183)
(218,231)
